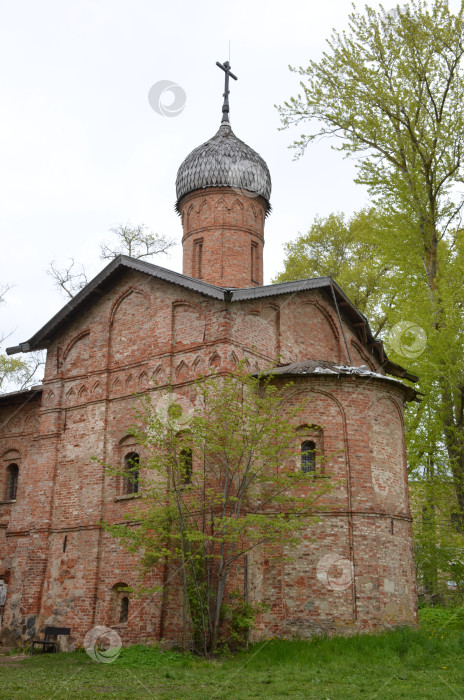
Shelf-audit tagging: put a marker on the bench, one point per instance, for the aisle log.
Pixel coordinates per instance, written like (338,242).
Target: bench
(46,644)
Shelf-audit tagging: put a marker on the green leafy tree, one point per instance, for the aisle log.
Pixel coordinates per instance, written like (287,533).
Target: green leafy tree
(391,89)
(219,482)
(352,252)
(438,543)
(364,261)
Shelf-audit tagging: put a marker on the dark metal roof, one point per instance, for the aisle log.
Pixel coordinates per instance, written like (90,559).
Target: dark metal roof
(42,338)
(324,368)
(94,288)
(22,394)
(224,161)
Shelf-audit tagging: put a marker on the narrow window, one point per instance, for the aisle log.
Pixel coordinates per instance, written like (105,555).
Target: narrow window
(131,479)
(254,262)
(308,456)
(119,603)
(12,482)
(186,464)
(197,257)
(124,609)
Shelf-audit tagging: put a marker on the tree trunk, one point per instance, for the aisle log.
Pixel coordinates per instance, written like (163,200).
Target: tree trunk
(455,447)
(222,577)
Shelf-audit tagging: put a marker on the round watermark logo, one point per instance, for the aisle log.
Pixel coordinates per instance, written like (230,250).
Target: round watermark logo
(408,339)
(167,98)
(103,644)
(175,409)
(335,572)
(245,178)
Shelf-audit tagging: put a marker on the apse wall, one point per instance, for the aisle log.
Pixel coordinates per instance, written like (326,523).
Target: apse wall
(353,568)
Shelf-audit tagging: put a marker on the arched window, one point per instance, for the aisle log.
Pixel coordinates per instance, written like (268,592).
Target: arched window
(124,609)
(12,472)
(308,456)
(186,465)
(131,468)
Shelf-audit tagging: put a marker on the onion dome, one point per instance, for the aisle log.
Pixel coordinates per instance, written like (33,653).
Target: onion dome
(224,161)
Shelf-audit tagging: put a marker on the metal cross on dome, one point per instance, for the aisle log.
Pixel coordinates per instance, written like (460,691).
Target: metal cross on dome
(225,107)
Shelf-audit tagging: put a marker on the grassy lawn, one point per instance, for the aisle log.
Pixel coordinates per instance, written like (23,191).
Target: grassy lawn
(425,663)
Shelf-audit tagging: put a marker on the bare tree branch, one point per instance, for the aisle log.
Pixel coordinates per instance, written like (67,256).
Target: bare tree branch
(69,279)
(135,241)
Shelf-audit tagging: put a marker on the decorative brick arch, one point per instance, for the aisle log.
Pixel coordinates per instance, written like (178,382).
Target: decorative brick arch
(126,343)
(325,312)
(328,395)
(220,209)
(16,423)
(190,215)
(76,354)
(257,327)
(182,371)
(204,204)
(271,314)
(12,454)
(298,393)
(388,454)
(126,293)
(235,213)
(363,355)
(75,339)
(310,342)
(32,423)
(215,360)
(188,324)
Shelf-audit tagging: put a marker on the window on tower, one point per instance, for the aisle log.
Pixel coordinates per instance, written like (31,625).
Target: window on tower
(197,257)
(254,263)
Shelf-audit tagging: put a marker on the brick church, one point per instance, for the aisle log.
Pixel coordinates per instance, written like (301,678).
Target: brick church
(137,327)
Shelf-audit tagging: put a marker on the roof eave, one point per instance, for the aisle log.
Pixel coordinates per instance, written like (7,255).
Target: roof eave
(43,337)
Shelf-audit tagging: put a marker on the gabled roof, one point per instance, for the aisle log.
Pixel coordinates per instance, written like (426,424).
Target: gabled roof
(123,262)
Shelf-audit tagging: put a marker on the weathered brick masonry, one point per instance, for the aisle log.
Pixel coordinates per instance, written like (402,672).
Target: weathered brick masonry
(223,237)
(136,323)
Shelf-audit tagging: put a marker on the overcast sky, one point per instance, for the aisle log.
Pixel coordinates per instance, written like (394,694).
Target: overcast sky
(82,150)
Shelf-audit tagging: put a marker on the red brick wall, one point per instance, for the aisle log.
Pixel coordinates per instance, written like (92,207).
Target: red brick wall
(354,569)
(228,225)
(144,329)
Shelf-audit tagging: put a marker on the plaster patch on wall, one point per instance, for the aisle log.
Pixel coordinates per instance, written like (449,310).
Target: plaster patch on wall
(388,586)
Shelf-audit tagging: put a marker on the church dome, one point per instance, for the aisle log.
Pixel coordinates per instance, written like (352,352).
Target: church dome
(224,161)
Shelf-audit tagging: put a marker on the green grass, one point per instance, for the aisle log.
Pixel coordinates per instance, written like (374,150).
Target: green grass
(405,663)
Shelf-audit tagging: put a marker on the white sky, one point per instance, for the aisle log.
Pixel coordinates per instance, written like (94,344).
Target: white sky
(81,149)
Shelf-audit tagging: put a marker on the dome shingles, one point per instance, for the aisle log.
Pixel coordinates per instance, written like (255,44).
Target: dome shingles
(224,161)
